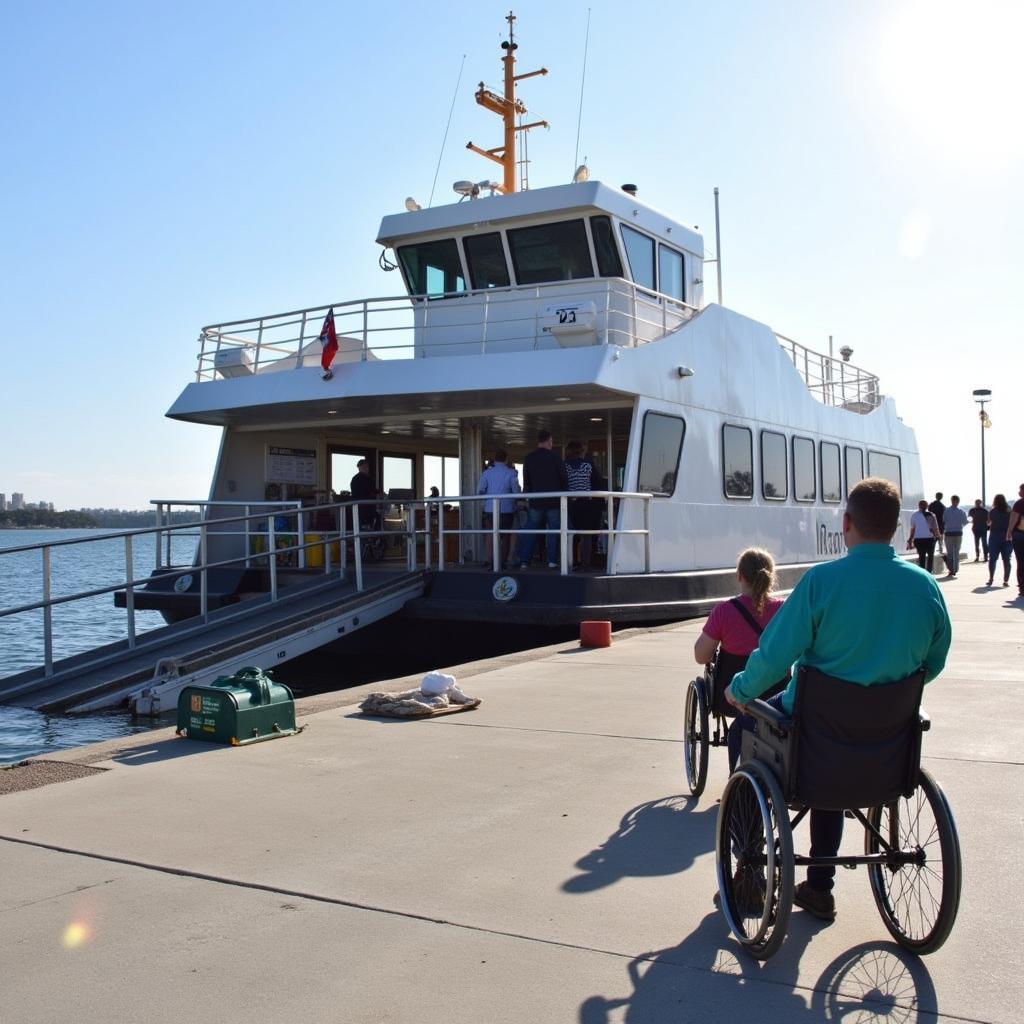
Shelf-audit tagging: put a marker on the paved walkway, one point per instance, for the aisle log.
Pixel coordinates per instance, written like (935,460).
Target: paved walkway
(534,860)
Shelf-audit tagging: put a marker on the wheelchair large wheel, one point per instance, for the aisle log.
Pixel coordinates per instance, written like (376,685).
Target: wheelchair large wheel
(919,901)
(695,741)
(754,858)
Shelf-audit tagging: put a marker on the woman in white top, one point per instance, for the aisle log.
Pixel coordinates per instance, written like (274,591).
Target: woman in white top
(924,532)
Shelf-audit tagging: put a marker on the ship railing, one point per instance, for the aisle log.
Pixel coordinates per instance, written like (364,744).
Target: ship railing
(277,547)
(833,381)
(419,326)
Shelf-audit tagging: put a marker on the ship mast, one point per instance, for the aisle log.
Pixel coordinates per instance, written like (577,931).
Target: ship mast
(507,107)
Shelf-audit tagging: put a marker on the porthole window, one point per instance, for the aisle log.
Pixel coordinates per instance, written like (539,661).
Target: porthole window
(854,468)
(804,483)
(774,471)
(737,462)
(831,481)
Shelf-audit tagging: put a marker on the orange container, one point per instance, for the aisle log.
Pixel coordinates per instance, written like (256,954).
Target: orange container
(596,633)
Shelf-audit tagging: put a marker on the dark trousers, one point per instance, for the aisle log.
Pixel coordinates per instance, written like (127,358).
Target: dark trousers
(981,540)
(925,553)
(999,547)
(1018,554)
(826,826)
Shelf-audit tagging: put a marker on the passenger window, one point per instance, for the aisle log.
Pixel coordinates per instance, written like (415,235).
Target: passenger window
(670,273)
(887,467)
(738,462)
(774,475)
(660,448)
(831,483)
(550,252)
(486,260)
(854,468)
(432,268)
(608,262)
(640,253)
(803,469)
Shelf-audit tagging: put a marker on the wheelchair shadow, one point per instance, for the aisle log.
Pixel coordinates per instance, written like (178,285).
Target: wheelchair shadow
(660,837)
(708,977)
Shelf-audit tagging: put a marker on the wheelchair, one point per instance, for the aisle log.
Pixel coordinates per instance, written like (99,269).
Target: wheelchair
(705,702)
(849,748)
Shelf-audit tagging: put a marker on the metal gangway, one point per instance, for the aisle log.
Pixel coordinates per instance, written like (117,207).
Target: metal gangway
(319,587)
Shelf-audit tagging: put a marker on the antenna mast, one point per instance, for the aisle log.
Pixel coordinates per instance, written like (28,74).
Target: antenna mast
(507,107)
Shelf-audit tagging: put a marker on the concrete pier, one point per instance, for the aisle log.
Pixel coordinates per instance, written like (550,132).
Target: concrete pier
(533,860)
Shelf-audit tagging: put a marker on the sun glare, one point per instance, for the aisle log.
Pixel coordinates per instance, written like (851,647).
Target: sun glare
(954,73)
(76,934)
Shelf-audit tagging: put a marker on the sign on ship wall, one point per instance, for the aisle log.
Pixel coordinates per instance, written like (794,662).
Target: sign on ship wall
(291,465)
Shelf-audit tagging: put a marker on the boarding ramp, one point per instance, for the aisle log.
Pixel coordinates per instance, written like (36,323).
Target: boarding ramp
(300,610)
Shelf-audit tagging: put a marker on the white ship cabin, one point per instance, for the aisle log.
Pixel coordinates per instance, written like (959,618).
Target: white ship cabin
(576,309)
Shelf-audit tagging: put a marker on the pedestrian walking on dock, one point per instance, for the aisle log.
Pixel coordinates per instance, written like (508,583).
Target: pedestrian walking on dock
(999,545)
(955,520)
(979,527)
(1015,531)
(543,470)
(924,532)
(938,510)
(870,592)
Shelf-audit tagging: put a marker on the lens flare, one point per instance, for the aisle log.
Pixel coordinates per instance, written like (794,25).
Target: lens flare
(76,934)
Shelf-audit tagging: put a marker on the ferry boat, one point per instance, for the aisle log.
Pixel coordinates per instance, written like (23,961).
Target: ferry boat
(577,309)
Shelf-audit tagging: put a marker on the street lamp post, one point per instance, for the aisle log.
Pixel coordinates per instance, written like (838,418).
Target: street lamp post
(981,396)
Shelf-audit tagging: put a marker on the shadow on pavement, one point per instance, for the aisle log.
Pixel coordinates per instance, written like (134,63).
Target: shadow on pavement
(163,750)
(660,837)
(708,977)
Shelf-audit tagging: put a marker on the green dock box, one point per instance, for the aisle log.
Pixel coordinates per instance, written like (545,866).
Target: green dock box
(244,708)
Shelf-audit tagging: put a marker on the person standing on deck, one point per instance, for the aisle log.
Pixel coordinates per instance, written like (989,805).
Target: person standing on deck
(938,510)
(955,520)
(499,478)
(979,527)
(870,618)
(543,470)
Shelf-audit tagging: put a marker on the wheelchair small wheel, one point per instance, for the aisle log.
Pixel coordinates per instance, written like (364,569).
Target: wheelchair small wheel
(695,742)
(918,902)
(754,859)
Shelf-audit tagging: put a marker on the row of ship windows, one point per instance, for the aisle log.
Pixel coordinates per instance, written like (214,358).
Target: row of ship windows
(661,445)
(541,254)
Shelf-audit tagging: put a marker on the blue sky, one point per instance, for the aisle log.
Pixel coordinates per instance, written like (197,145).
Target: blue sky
(164,167)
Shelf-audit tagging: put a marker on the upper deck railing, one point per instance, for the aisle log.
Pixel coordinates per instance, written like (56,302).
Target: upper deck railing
(516,318)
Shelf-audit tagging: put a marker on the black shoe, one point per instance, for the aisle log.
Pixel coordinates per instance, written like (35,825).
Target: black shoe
(821,904)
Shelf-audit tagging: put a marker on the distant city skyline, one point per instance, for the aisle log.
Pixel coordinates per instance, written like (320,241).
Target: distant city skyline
(868,192)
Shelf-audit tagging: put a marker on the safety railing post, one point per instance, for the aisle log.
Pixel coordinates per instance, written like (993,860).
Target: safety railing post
(159,523)
(608,313)
(272,556)
(495,535)
(129,590)
(366,331)
(299,358)
(302,539)
(427,535)
(342,543)
(609,564)
(47,615)
(563,533)
(647,534)
(259,343)
(410,537)
(440,537)
(204,609)
(248,544)
(357,547)
(167,537)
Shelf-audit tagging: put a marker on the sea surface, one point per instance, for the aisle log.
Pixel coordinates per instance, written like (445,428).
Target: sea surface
(77,626)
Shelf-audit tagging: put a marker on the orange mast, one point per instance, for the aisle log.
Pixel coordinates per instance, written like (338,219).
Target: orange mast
(508,108)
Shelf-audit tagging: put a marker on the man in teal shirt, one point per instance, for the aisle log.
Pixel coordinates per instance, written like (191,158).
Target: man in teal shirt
(869,618)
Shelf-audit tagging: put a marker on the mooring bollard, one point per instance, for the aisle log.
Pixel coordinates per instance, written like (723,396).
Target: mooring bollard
(596,633)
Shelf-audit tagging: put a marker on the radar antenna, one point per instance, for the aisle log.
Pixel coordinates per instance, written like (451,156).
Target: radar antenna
(508,108)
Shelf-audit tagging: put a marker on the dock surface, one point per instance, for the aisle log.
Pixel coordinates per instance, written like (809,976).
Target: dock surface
(533,860)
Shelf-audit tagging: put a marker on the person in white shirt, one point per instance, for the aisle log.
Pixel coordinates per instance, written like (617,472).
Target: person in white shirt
(924,532)
(953,523)
(499,478)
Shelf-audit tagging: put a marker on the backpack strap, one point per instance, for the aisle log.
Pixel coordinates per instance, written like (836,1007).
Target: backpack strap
(750,620)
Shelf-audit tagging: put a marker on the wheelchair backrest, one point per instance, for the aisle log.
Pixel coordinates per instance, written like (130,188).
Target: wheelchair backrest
(856,746)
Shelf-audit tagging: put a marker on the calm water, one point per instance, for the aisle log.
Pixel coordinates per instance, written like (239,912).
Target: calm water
(77,626)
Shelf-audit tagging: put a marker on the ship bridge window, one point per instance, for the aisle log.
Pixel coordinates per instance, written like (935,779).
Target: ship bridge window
(774,474)
(640,253)
(804,488)
(432,268)
(550,252)
(887,467)
(831,482)
(486,260)
(670,273)
(660,448)
(854,468)
(738,461)
(608,262)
